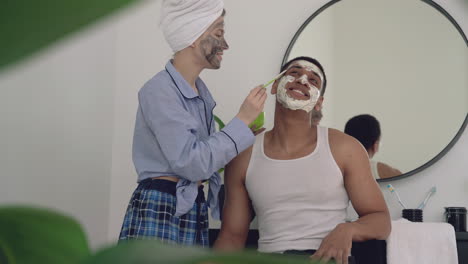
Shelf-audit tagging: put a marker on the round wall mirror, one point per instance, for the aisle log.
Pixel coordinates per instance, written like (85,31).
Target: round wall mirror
(405,62)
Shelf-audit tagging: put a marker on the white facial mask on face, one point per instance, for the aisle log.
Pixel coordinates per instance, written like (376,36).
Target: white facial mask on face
(284,99)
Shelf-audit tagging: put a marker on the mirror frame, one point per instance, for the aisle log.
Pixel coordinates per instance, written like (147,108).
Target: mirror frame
(465,122)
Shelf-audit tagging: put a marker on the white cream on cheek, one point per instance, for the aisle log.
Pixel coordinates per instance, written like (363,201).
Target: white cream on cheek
(284,99)
(294,104)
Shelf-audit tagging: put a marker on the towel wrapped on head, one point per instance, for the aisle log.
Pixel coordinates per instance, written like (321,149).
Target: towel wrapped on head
(184,21)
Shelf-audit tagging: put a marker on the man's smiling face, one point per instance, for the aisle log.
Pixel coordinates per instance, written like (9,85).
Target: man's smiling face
(299,88)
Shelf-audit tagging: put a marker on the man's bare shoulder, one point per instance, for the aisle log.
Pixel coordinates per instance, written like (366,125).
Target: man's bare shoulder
(244,156)
(342,141)
(345,149)
(237,167)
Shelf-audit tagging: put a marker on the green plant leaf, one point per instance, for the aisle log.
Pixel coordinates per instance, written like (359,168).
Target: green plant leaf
(27,26)
(33,235)
(150,251)
(220,123)
(6,256)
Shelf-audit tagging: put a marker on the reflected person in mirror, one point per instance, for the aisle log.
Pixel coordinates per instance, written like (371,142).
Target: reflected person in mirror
(366,129)
(298,178)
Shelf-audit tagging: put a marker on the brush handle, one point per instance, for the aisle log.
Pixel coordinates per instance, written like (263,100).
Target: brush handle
(268,83)
(399,199)
(393,191)
(401,203)
(274,79)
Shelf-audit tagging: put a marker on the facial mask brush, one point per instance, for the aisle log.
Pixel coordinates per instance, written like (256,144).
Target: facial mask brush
(260,120)
(274,79)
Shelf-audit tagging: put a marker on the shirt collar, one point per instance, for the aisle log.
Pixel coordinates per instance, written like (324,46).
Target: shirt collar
(183,86)
(186,90)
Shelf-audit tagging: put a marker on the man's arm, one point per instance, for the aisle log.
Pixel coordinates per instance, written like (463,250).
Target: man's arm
(237,211)
(366,197)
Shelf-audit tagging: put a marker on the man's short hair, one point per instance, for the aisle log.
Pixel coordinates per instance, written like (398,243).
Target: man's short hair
(313,61)
(364,128)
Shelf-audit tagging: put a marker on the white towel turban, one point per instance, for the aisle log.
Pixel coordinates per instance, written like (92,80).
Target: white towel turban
(183,21)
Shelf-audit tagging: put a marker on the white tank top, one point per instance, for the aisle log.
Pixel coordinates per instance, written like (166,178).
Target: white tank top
(299,201)
(374,170)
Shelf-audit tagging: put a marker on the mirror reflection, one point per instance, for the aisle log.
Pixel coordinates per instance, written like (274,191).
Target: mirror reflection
(402,62)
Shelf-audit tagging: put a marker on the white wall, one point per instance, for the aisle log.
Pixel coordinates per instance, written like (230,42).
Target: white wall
(68,113)
(56,122)
(141,52)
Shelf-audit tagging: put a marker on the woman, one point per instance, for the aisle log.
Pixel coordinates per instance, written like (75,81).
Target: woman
(175,146)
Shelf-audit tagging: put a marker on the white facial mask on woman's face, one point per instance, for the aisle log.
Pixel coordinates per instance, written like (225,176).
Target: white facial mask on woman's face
(295,104)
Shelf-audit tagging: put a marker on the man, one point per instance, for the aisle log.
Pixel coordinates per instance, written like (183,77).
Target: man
(366,129)
(298,178)
(175,145)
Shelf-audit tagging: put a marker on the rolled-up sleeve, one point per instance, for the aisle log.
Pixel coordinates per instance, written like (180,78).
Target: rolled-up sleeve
(175,130)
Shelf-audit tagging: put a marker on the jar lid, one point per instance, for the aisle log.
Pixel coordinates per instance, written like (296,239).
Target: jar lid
(455,209)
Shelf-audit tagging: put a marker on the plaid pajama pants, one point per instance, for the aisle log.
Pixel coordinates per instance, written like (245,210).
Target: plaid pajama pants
(150,215)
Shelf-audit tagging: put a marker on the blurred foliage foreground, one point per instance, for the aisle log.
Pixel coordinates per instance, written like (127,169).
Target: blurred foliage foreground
(34,235)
